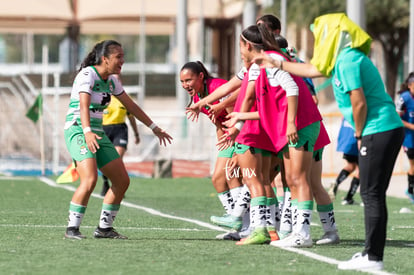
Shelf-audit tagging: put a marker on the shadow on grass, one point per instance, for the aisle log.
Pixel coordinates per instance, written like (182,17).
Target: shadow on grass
(390,243)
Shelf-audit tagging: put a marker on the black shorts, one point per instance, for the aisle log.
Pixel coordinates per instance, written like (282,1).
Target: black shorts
(117,134)
(351,158)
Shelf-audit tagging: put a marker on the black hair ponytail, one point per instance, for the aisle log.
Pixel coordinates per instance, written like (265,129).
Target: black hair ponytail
(103,48)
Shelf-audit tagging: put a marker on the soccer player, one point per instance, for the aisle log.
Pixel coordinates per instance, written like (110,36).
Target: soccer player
(198,82)
(347,144)
(365,104)
(405,108)
(87,143)
(321,196)
(115,128)
(293,128)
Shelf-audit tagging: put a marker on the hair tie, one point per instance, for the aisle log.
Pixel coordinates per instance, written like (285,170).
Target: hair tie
(253,43)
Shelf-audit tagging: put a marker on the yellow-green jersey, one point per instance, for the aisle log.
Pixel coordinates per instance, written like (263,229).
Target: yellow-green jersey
(115,113)
(89,81)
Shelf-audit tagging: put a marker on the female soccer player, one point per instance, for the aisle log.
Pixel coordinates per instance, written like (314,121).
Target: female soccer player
(340,51)
(287,120)
(405,108)
(87,143)
(198,82)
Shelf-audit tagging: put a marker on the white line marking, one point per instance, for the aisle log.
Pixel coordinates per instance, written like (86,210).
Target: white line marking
(328,260)
(207,225)
(120,227)
(12,178)
(402,227)
(131,205)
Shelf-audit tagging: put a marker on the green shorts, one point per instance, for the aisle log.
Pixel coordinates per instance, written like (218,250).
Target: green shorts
(75,142)
(307,137)
(241,149)
(226,153)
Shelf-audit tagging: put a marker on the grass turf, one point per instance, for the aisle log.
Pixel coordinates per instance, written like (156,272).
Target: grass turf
(33,219)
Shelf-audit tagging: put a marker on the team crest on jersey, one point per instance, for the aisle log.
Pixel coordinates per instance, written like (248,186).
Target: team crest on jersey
(83,150)
(337,82)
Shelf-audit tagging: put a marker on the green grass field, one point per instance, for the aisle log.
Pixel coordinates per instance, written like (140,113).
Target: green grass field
(34,216)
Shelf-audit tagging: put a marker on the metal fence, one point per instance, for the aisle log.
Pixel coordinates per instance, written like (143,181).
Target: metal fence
(21,139)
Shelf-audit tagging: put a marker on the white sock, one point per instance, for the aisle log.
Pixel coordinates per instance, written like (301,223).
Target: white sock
(235,192)
(303,222)
(226,200)
(242,203)
(271,213)
(327,217)
(76,213)
(258,212)
(108,214)
(286,217)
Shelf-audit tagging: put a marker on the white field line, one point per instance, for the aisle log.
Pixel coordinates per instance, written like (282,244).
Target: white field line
(402,227)
(93,227)
(12,178)
(131,205)
(209,226)
(328,260)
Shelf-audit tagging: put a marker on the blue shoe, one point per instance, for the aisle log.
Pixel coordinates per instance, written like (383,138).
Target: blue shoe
(410,196)
(228,221)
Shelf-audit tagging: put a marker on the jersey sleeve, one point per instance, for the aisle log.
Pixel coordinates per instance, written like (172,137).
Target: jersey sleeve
(84,81)
(400,104)
(118,88)
(284,79)
(254,72)
(241,73)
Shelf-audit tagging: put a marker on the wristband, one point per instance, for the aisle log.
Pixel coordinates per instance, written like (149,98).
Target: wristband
(358,137)
(153,126)
(239,125)
(87,130)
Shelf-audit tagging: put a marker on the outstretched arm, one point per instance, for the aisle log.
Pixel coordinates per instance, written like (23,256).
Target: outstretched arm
(225,89)
(134,109)
(299,69)
(133,123)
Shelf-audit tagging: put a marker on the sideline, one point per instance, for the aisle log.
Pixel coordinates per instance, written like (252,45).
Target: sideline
(209,226)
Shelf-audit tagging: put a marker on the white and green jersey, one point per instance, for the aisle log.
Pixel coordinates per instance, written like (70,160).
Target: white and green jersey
(89,81)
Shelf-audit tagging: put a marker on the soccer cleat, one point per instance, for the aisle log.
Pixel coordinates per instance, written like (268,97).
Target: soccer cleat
(361,262)
(410,196)
(108,233)
(229,236)
(258,236)
(228,221)
(273,234)
(330,237)
(245,232)
(347,202)
(74,233)
(284,234)
(294,240)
